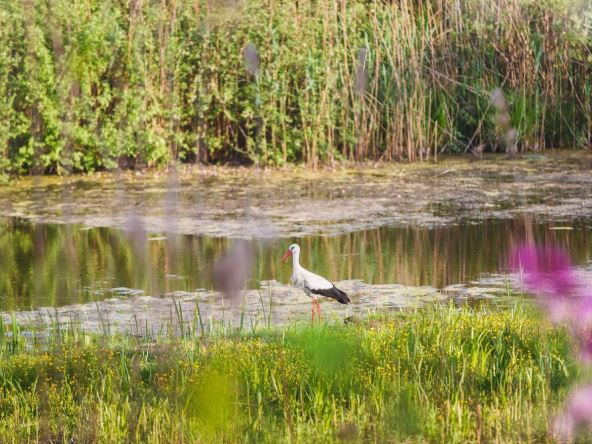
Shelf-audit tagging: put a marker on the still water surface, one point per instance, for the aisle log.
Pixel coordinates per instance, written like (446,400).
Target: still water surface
(45,265)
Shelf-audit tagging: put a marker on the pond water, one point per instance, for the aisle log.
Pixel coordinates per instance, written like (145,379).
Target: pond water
(297,202)
(135,248)
(53,265)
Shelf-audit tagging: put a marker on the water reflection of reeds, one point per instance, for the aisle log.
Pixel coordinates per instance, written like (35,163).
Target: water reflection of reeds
(54,265)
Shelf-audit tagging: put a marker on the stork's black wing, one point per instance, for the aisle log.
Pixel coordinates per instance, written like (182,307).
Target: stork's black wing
(333,293)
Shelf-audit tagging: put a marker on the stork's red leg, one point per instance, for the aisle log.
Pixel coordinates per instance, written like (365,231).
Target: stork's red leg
(315,309)
(317,306)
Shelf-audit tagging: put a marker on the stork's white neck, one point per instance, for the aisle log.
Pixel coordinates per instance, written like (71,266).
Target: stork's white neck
(296,262)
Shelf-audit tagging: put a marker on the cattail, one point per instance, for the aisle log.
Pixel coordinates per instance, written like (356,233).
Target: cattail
(503,122)
(136,234)
(251,58)
(361,71)
(232,270)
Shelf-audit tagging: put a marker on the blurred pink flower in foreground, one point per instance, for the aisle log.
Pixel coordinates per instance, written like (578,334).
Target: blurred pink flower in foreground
(548,274)
(577,414)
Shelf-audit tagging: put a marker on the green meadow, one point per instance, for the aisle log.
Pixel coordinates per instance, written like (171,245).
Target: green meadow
(439,374)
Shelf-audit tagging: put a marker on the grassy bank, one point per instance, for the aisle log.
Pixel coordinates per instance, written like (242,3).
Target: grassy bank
(95,84)
(439,375)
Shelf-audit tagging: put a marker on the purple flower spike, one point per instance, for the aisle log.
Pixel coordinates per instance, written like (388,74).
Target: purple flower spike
(547,273)
(577,415)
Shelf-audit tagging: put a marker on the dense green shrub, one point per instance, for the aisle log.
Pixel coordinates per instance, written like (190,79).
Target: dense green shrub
(90,84)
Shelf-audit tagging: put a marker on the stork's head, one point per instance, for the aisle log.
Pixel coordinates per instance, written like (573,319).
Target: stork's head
(292,250)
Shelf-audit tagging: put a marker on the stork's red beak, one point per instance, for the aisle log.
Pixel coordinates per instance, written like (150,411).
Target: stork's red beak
(286,255)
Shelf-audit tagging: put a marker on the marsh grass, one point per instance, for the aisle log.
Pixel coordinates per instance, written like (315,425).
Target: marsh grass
(442,374)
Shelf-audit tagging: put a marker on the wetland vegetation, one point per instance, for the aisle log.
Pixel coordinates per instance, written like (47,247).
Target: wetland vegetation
(263,122)
(441,374)
(112,333)
(99,84)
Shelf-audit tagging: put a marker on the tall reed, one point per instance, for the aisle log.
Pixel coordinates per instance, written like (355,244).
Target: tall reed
(100,84)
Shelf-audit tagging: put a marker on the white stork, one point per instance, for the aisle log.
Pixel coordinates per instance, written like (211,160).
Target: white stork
(312,284)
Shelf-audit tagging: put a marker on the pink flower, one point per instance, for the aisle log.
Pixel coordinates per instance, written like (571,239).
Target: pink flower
(548,274)
(546,271)
(577,414)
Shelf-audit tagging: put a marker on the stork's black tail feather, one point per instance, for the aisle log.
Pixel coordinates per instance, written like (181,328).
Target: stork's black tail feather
(333,293)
